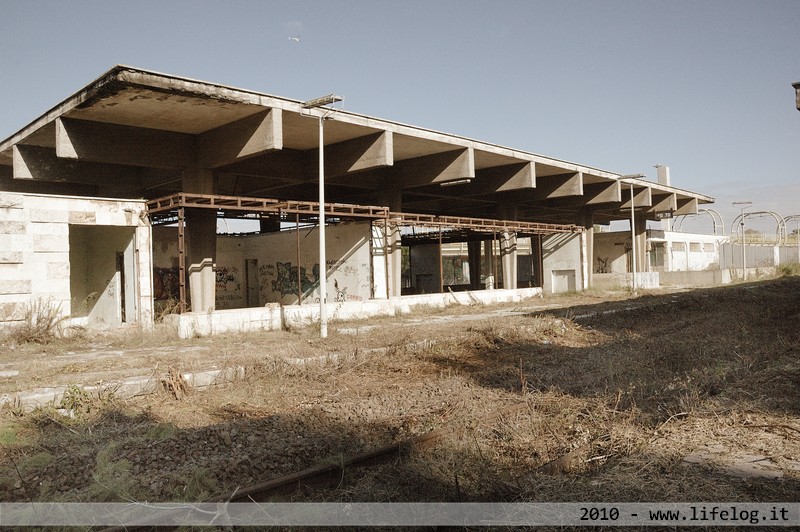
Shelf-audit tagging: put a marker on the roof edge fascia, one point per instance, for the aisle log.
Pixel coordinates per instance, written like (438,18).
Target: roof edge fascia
(63,107)
(157,80)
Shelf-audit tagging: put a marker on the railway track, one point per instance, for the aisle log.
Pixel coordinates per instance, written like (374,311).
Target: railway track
(330,474)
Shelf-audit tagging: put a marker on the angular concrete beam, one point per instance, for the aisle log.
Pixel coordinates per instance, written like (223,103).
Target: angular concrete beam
(686,206)
(559,186)
(355,155)
(503,178)
(593,194)
(602,193)
(436,168)
(42,164)
(253,135)
(115,144)
(664,202)
(642,197)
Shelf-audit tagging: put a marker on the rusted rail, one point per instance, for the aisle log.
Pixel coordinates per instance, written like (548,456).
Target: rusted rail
(170,204)
(367,458)
(328,472)
(262,205)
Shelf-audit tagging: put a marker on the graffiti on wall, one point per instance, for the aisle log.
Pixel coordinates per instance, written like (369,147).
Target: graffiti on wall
(342,295)
(228,279)
(282,278)
(286,278)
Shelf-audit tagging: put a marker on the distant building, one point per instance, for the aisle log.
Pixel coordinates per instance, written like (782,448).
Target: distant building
(797,93)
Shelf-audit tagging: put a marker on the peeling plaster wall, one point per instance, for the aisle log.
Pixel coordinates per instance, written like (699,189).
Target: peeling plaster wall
(35,251)
(349,264)
(230,272)
(610,252)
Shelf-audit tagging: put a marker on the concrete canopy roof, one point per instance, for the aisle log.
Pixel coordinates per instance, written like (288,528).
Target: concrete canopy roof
(136,133)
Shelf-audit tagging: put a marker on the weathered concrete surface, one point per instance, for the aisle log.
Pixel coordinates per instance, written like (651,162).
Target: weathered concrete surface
(612,281)
(274,317)
(131,387)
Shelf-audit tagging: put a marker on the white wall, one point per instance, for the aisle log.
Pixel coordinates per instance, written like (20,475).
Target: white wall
(690,251)
(561,256)
(684,251)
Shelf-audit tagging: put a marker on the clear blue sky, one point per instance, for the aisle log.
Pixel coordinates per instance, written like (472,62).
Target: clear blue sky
(702,86)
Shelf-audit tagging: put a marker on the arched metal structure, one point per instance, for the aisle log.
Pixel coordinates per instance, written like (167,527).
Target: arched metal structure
(716,218)
(785,228)
(779,229)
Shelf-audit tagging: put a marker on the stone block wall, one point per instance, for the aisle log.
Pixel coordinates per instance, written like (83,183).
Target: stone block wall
(35,249)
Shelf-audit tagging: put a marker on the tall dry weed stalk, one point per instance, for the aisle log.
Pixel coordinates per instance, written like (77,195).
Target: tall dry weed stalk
(40,323)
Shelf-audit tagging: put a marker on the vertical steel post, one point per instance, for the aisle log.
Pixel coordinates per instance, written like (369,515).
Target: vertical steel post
(633,245)
(744,248)
(323,263)
(299,278)
(386,253)
(495,269)
(181,259)
(441,263)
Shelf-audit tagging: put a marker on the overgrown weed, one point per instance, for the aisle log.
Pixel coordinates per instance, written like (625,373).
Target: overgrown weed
(41,321)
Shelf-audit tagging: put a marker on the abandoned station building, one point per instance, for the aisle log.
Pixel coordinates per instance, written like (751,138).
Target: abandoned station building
(146,194)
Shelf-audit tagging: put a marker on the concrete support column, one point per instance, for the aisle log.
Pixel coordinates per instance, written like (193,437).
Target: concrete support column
(488,257)
(508,253)
(641,243)
(586,220)
(474,254)
(395,260)
(392,198)
(508,247)
(201,241)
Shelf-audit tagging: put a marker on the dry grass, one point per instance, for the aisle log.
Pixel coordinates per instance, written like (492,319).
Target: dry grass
(599,402)
(39,325)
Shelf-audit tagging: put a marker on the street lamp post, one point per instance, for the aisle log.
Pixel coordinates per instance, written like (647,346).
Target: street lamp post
(743,205)
(633,243)
(323,266)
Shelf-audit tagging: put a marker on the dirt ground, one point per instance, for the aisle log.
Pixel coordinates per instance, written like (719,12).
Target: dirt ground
(669,396)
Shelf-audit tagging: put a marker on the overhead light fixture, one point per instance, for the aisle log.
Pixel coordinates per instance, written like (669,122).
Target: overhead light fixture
(322,100)
(464,181)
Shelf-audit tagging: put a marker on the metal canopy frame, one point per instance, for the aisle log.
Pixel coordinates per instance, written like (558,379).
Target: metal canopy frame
(172,209)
